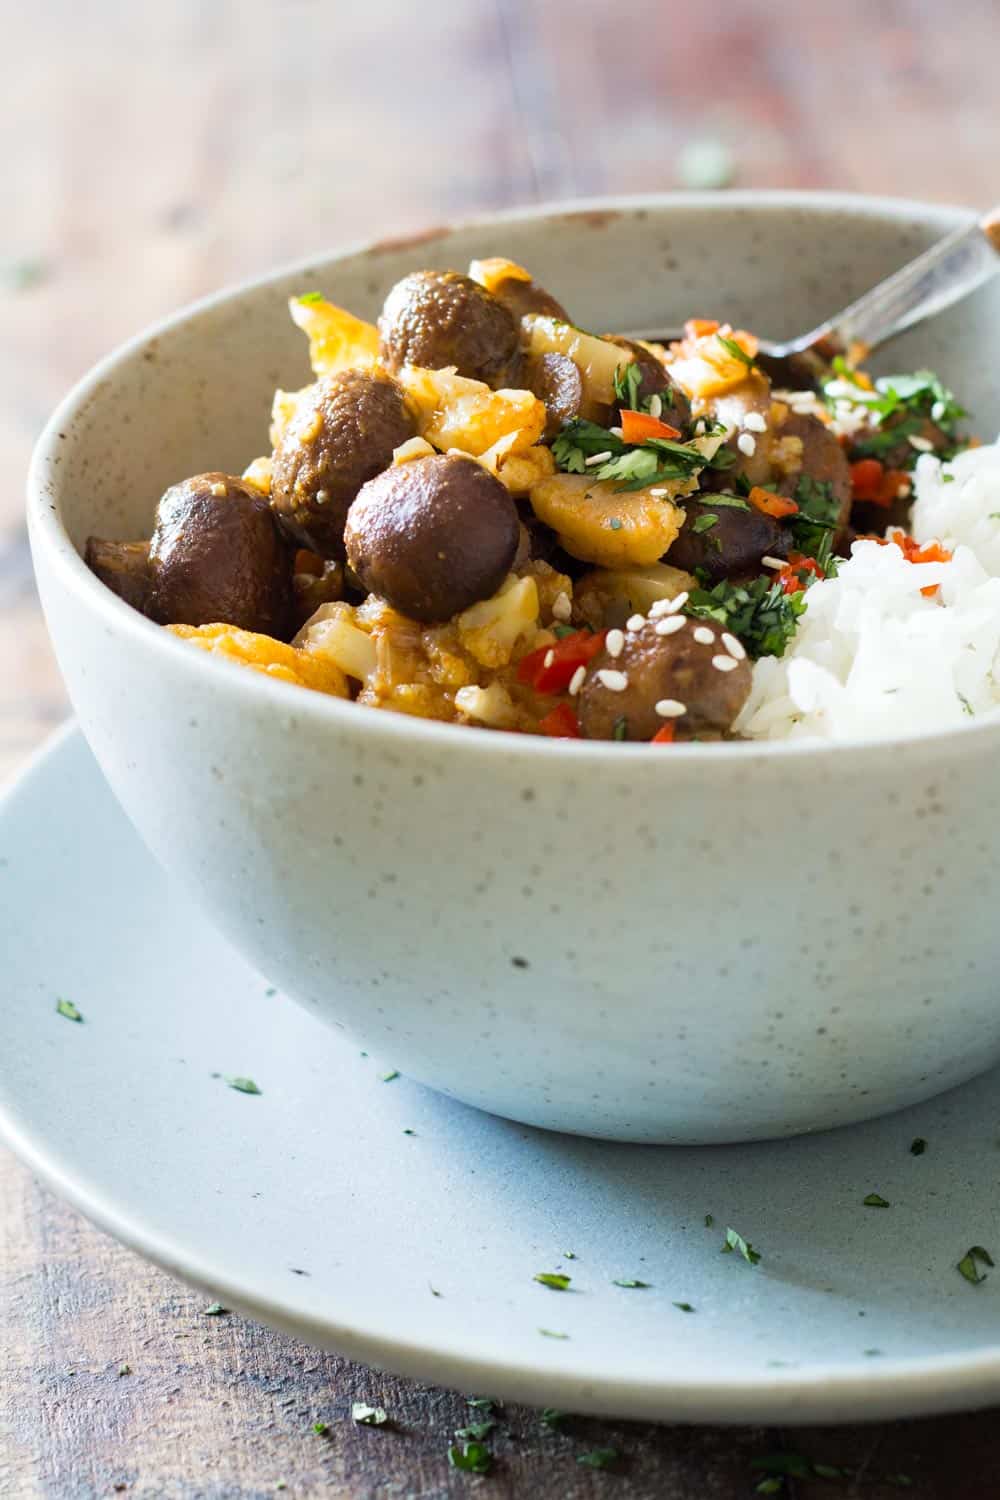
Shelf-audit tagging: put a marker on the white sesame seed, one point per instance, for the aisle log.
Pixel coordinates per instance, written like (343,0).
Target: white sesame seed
(733,646)
(774,563)
(922,444)
(724,663)
(704,636)
(747,443)
(635,622)
(548,658)
(658,607)
(755,421)
(699,428)
(656,406)
(615,431)
(669,624)
(615,682)
(676,603)
(659,494)
(615,642)
(561,607)
(576,681)
(598,458)
(669,708)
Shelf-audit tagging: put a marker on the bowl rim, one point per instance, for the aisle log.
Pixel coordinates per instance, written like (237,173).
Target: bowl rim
(48,533)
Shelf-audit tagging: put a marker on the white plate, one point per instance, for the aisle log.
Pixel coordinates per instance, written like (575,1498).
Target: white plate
(125,1115)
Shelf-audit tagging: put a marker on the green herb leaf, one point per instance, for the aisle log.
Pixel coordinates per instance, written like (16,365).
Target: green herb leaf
(553,1417)
(554,1280)
(795,1464)
(321,1428)
(770,1486)
(368,1416)
(622,1281)
(633,466)
(968,1268)
(242,1085)
(482,1403)
(474,1458)
(409,1132)
(918,1146)
(736,350)
(599,1458)
(68,1009)
(875,1200)
(709,1220)
(684,1306)
(723,501)
(569,1254)
(215,1310)
(736,1242)
(476,1430)
(124,1369)
(620,729)
(390,1076)
(551,1333)
(626,381)
(310,297)
(759,613)
(704,522)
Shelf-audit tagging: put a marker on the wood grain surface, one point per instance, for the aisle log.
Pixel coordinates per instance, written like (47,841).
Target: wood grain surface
(154,152)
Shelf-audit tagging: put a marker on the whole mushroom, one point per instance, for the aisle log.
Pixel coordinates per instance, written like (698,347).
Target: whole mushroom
(669,670)
(440,319)
(432,536)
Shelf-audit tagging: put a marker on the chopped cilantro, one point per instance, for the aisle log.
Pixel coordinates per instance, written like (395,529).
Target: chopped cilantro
(633,466)
(627,380)
(68,1009)
(553,1280)
(321,1428)
(773,1485)
(570,1254)
(684,1306)
(598,1458)
(704,522)
(736,1241)
(620,730)
(967,707)
(918,1146)
(552,1333)
(215,1310)
(709,1220)
(562,631)
(723,501)
(553,1417)
(368,1416)
(758,613)
(477,1431)
(968,1268)
(736,350)
(474,1458)
(388,1077)
(818,515)
(628,1282)
(242,1085)
(482,1403)
(875,1200)
(310,297)
(407,1131)
(124,1369)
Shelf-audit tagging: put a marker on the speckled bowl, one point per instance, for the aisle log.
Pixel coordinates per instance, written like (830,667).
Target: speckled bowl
(712,944)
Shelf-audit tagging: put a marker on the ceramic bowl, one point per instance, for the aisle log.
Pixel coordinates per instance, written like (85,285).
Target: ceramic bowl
(715,943)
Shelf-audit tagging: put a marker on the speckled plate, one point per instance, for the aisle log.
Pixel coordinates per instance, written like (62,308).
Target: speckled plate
(380,1219)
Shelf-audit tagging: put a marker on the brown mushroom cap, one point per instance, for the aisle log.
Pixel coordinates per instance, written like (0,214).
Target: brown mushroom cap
(523,298)
(686,672)
(123,567)
(556,380)
(441,318)
(726,537)
(823,460)
(342,435)
(432,536)
(217,556)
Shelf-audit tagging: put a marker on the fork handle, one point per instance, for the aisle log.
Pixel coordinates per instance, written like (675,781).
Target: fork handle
(945,273)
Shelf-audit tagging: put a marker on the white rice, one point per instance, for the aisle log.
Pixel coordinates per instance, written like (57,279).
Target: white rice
(872,656)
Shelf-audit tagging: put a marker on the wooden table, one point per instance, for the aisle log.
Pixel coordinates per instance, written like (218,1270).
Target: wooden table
(153,153)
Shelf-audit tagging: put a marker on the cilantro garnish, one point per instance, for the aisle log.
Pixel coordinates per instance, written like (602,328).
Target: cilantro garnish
(68,1009)
(723,501)
(475,1458)
(554,1280)
(759,613)
(918,1146)
(684,1306)
(481,1403)
(124,1369)
(552,1333)
(633,466)
(627,380)
(321,1428)
(704,522)
(370,1416)
(875,1200)
(243,1085)
(736,1242)
(389,1077)
(620,730)
(310,297)
(709,1220)
(818,515)
(737,351)
(215,1310)
(570,1254)
(598,1458)
(553,1417)
(628,1282)
(968,1268)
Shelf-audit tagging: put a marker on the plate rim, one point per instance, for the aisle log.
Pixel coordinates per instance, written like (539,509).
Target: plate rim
(841,1391)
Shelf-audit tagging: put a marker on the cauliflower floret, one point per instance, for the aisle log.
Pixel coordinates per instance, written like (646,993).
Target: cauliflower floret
(490,630)
(453,412)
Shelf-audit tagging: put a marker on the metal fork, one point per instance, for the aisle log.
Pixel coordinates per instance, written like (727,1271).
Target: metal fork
(942,275)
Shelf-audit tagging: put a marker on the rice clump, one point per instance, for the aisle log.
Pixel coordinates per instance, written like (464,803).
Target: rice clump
(873,656)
